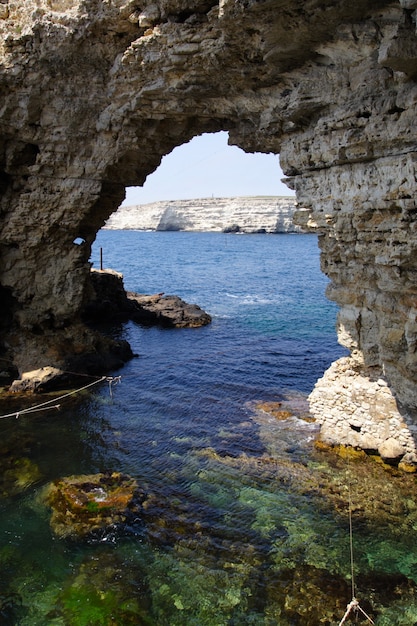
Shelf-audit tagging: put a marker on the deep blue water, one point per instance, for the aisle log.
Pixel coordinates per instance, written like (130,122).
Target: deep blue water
(246,523)
(273,327)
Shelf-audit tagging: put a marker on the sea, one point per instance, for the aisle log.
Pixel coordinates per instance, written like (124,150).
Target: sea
(244,519)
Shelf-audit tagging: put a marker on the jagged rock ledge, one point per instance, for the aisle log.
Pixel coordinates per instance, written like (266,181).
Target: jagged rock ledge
(111,302)
(251,214)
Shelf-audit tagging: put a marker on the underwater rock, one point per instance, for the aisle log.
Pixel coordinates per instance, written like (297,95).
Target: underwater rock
(105,589)
(293,404)
(10,604)
(17,469)
(17,473)
(309,596)
(84,504)
(275,409)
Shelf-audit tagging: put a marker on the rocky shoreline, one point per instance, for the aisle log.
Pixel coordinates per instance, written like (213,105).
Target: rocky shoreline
(109,303)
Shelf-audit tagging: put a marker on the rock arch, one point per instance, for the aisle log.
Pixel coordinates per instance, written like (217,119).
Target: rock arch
(95,93)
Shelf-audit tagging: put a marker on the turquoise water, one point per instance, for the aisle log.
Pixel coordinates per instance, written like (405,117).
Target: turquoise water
(245,521)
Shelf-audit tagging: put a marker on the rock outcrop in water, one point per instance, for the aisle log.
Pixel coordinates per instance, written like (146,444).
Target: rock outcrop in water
(95,93)
(243,215)
(111,303)
(82,505)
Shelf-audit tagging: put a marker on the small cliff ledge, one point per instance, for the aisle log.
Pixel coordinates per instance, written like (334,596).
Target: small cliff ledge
(260,214)
(111,303)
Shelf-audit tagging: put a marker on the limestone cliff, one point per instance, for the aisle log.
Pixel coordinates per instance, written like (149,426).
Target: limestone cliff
(94,93)
(245,215)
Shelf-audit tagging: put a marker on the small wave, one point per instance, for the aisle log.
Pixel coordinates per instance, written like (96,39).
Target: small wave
(250,298)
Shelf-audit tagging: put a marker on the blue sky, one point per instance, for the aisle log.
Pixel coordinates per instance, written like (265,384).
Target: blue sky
(206,166)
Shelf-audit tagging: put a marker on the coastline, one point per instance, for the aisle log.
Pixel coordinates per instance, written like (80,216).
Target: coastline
(243,215)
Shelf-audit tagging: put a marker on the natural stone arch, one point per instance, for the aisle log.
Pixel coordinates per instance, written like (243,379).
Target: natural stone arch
(95,93)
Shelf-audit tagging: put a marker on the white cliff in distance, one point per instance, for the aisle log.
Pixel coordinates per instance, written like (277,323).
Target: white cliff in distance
(260,214)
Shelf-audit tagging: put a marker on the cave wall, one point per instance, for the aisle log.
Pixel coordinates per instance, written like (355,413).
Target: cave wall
(93,94)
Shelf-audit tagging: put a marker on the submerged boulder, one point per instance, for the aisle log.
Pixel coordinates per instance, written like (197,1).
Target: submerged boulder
(103,589)
(17,474)
(84,504)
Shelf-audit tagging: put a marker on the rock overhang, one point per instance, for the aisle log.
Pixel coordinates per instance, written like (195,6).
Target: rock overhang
(96,93)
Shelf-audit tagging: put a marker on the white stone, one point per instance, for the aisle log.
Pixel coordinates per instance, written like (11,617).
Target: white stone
(391,449)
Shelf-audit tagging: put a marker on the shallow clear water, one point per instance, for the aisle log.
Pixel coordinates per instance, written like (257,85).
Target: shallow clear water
(245,522)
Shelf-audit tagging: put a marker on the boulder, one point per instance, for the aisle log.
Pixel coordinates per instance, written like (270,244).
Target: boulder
(166,311)
(391,451)
(82,505)
(37,380)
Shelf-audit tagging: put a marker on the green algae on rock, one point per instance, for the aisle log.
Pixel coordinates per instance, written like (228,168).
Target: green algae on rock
(87,503)
(105,590)
(18,473)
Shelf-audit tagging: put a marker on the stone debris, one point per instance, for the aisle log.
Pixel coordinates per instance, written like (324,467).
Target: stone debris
(36,380)
(355,410)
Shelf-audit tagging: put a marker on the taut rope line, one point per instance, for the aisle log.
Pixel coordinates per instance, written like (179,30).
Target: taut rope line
(352,565)
(353,604)
(52,404)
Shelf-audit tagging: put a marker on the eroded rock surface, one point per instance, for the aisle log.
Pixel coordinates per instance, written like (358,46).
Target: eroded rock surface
(110,302)
(95,93)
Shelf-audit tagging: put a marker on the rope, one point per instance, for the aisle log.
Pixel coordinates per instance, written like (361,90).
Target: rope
(52,404)
(352,569)
(353,604)
(113,381)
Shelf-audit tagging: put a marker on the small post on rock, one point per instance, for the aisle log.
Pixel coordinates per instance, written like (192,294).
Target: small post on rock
(101,258)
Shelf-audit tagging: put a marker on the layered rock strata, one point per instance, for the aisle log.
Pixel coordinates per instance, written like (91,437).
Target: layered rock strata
(244,215)
(95,93)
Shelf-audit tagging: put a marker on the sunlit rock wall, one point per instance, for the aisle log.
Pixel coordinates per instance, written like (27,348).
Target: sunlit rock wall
(95,93)
(245,215)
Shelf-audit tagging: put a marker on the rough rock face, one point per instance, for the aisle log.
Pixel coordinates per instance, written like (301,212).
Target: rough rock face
(246,214)
(95,93)
(111,303)
(359,410)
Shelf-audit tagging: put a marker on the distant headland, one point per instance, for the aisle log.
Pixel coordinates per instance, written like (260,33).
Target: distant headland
(257,214)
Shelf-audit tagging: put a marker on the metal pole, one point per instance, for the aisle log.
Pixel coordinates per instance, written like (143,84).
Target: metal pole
(101,258)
